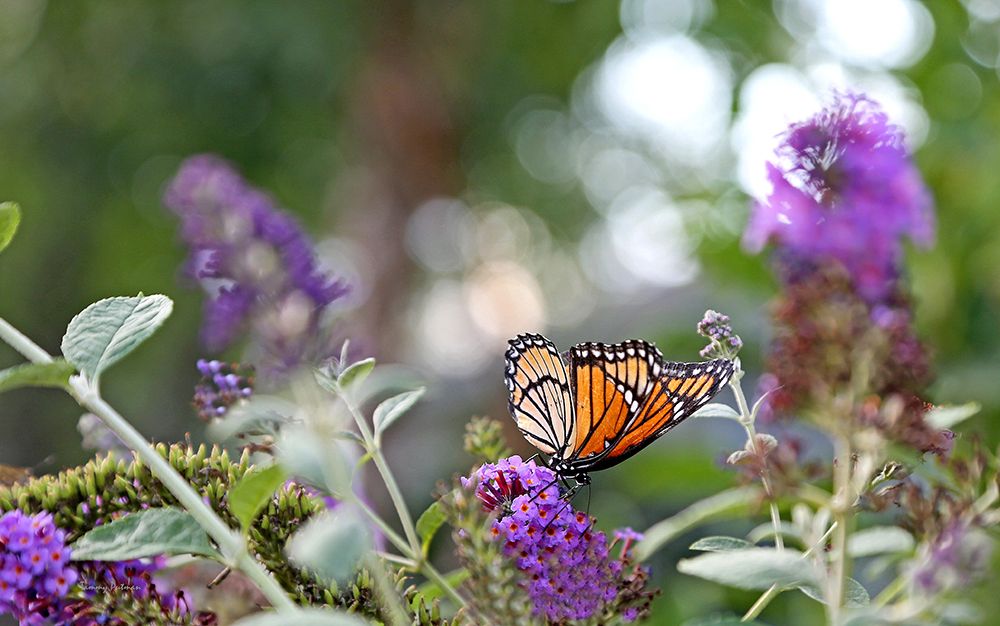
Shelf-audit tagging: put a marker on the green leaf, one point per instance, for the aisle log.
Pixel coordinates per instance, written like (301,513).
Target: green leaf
(54,374)
(732,502)
(392,409)
(144,533)
(879,540)
(356,373)
(951,415)
(331,544)
(720,544)
(429,522)
(301,617)
(10,217)
(717,409)
(109,329)
(758,404)
(855,595)
(752,568)
(253,491)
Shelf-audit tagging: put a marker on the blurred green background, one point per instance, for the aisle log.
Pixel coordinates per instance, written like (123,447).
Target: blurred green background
(479,169)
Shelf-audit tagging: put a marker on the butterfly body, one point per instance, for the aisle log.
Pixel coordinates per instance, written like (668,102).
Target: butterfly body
(598,404)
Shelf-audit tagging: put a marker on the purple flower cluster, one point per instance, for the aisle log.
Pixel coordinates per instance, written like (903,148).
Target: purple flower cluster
(35,573)
(845,189)
(136,575)
(959,555)
(566,567)
(724,342)
(254,259)
(221,386)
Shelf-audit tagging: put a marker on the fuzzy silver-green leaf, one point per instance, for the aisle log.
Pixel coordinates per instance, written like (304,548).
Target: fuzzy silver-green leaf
(165,530)
(109,329)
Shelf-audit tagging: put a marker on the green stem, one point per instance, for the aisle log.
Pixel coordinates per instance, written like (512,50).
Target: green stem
(431,573)
(773,592)
(387,477)
(842,502)
(15,339)
(402,561)
(390,534)
(409,529)
(892,590)
(747,419)
(229,541)
(761,603)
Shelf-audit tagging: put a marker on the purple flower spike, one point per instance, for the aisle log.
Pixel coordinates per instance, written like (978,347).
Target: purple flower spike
(35,573)
(845,189)
(566,566)
(256,263)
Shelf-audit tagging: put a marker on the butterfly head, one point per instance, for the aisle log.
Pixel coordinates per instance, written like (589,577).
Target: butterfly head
(564,469)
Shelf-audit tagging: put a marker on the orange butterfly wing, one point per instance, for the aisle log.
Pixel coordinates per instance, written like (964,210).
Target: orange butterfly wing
(627,397)
(610,383)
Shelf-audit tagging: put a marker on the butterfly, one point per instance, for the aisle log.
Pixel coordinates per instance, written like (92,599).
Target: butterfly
(598,404)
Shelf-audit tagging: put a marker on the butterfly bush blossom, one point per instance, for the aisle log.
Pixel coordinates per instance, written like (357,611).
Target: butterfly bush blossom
(118,593)
(723,342)
(255,261)
(845,189)
(845,195)
(221,386)
(567,567)
(35,572)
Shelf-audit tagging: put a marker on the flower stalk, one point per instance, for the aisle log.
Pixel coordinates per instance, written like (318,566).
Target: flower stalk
(747,419)
(410,547)
(842,502)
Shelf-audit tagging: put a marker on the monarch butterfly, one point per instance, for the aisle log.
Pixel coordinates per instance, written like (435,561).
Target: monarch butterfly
(598,404)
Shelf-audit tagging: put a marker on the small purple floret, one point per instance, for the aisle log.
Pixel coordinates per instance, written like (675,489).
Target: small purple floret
(255,261)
